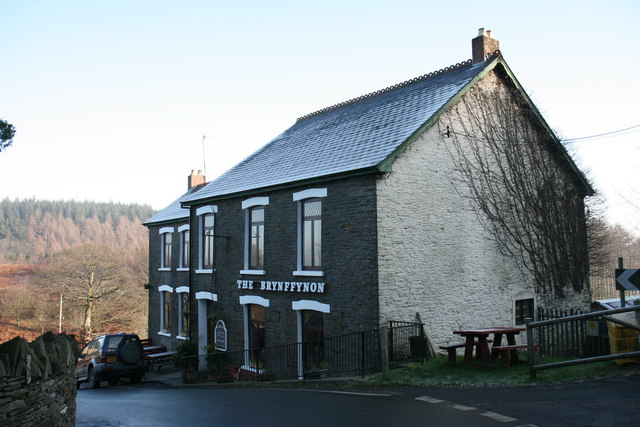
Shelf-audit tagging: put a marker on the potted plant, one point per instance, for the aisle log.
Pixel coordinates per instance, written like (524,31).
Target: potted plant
(186,358)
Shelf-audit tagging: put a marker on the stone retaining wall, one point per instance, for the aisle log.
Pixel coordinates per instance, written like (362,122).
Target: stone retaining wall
(37,381)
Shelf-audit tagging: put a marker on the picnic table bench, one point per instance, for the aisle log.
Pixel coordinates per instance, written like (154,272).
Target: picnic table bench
(451,349)
(478,338)
(159,360)
(154,349)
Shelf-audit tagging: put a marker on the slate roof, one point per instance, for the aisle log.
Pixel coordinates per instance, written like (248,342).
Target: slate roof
(357,135)
(174,211)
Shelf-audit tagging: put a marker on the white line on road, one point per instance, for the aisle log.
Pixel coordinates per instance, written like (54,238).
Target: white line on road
(352,393)
(463,407)
(429,399)
(498,417)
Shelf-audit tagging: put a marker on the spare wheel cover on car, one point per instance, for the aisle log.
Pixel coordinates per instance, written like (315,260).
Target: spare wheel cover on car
(130,352)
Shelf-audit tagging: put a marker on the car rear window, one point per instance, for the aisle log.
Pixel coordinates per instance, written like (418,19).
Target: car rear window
(113,342)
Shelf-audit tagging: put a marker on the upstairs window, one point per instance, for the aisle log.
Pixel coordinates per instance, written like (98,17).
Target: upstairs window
(256,246)
(312,235)
(184,246)
(206,240)
(166,234)
(309,261)
(254,235)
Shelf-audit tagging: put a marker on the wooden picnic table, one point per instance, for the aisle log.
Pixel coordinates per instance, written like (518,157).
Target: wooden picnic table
(154,349)
(479,339)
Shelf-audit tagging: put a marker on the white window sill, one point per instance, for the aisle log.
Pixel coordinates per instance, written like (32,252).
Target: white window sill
(254,272)
(183,269)
(204,271)
(180,337)
(164,269)
(311,273)
(164,334)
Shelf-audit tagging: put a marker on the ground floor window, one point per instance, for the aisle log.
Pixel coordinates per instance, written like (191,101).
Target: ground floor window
(256,315)
(165,309)
(523,310)
(184,314)
(313,340)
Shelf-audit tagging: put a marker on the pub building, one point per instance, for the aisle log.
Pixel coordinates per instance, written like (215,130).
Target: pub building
(345,221)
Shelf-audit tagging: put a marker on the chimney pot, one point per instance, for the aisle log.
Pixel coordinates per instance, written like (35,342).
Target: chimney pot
(483,45)
(195,179)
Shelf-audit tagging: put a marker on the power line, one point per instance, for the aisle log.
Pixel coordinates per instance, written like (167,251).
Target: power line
(604,134)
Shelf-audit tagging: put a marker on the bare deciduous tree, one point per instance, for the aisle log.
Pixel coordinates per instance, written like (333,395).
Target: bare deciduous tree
(18,303)
(92,278)
(521,183)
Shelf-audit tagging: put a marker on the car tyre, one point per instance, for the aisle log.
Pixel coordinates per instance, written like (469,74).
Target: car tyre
(92,380)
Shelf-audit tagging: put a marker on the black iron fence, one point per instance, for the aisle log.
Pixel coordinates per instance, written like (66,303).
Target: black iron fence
(355,354)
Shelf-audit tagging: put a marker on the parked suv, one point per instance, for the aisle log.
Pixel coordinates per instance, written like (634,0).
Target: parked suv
(111,357)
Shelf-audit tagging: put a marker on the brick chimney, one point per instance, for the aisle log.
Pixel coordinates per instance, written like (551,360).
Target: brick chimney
(483,45)
(195,179)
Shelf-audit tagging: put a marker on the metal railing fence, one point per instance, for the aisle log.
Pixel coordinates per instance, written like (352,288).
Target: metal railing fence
(355,354)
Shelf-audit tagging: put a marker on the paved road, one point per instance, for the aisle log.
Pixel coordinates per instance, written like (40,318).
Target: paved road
(601,403)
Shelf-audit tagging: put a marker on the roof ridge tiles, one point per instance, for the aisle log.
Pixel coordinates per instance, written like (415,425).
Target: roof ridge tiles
(387,89)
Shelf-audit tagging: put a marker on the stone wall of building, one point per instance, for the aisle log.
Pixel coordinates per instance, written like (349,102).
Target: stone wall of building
(37,381)
(349,261)
(436,258)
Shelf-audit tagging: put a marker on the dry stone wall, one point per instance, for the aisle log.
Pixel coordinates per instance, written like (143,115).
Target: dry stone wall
(37,381)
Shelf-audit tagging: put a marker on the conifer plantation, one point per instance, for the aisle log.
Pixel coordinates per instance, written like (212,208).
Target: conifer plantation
(37,238)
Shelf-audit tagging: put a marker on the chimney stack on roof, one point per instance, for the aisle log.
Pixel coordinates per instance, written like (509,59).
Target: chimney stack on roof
(195,179)
(483,45)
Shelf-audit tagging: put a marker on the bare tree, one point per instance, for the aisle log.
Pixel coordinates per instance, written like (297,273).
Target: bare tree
(18,303)
(90,277)
(521,183)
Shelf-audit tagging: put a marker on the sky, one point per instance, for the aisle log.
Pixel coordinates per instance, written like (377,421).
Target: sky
(118,101)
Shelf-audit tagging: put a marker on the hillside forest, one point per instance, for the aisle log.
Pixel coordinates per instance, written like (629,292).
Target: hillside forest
(45,244)
(60,258)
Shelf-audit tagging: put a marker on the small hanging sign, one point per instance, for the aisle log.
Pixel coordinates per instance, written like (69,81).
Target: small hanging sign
(220,333)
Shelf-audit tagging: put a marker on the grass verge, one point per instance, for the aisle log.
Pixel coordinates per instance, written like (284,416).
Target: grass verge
(437,372)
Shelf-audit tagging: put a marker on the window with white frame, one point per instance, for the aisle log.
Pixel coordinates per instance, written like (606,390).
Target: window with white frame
(165,310)
(254,235)
(309,262)
(311,317)
(166,234)
(254,330)
(184,247)
(206,239)
(184,313)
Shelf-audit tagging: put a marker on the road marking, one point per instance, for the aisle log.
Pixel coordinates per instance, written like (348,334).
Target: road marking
(463,407)
(360,394)
(498,417)
(352,393)
(429,399)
